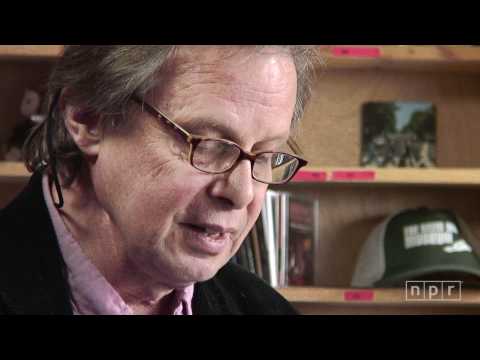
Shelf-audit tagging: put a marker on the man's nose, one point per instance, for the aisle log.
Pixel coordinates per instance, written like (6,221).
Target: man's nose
(235,186)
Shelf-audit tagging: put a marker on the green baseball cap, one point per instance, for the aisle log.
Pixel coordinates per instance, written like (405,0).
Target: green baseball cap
(415,243)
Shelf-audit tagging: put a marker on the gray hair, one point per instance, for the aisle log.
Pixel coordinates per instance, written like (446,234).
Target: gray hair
(102,79)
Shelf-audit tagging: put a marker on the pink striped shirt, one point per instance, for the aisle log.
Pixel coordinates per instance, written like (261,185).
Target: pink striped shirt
(93,294)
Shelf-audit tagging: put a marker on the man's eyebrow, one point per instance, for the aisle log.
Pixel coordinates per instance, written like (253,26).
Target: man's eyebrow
(222,130)
(196,125)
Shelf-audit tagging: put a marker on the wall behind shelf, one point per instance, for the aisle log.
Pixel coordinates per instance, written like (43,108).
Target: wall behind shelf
(330,134)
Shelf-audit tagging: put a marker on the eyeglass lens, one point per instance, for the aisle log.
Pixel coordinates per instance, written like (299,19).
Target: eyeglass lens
(217,156)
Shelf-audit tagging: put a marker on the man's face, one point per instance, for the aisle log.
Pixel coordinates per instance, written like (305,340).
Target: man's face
(176,223)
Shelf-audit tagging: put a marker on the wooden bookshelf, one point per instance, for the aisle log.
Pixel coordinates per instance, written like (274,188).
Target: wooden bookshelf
(435,58)
(30,51)
(13,170)
(381,176)
(448,76)
(440,57)
(13,178)
(426,58)
(344,296)
(394,176)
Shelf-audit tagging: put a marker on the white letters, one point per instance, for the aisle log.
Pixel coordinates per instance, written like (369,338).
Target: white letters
(434,233)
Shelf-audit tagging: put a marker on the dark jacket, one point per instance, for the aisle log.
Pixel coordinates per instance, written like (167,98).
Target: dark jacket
(33,277)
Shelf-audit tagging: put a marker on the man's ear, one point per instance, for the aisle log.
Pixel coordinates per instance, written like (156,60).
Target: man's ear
(85,128)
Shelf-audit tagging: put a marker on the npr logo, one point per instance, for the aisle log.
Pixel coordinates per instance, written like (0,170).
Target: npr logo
(433,290)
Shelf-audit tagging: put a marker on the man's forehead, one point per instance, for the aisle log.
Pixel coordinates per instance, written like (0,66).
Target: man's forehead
(225,53)
(229,67)
(206,86)
(222,59)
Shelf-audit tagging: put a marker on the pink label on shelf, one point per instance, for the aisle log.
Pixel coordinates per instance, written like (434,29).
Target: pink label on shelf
(310,176)
(358,295)
(356,51)
(357,175)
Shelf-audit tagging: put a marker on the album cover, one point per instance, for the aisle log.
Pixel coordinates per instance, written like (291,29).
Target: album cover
(398,134)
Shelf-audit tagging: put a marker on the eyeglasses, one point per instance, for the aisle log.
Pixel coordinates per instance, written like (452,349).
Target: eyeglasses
(217,156)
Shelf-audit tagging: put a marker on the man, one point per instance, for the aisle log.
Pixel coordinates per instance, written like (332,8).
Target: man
(148,174)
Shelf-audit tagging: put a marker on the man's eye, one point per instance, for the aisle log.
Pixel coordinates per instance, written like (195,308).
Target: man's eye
(264,159)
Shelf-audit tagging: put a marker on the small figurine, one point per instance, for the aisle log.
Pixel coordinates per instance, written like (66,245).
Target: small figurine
(29,109)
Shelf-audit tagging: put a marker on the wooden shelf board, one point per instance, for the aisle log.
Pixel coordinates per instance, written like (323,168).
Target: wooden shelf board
(434,58)
(430,176)
(30,51)
(381,176)
(14,170)
(426,58)
(393,297)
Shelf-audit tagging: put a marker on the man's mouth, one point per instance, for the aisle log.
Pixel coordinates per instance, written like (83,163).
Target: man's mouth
(208,238)
(209,229)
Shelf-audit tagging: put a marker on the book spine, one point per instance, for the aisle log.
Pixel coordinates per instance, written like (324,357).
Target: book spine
(256,251)
(249,253)
(283,239)
(263,249)
(269,233)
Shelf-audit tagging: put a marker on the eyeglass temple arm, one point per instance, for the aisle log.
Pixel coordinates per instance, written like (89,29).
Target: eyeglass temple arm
(158,114)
